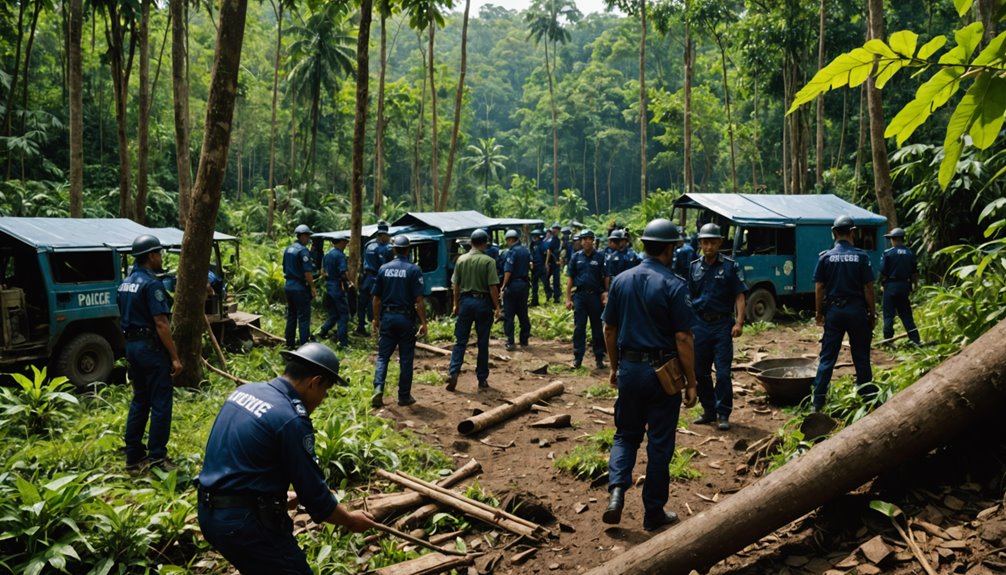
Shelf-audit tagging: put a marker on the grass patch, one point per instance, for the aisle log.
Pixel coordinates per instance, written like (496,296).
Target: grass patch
(600,390)
(434,378)
(681,465)
(584,462)
(757,327)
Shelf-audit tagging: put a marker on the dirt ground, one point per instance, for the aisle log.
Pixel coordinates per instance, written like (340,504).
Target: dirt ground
(818,543)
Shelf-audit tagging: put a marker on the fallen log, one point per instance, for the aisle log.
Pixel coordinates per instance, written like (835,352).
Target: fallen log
(429,564)
(418,515)
(470,507)
(948,400)
(515,406)
(395,502)
(432,349)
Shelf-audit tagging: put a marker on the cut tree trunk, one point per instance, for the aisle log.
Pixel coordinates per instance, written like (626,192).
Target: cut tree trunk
(429,564)
(504,412)
(76,74)
(180,95)
(947,401)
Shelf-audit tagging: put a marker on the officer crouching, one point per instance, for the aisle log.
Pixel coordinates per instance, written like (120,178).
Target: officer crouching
(262,441)
(647,322)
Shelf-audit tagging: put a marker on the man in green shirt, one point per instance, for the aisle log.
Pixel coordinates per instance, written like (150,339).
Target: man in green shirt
(476,301)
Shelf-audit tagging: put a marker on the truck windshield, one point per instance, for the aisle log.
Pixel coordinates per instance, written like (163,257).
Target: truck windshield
(82,267)
(766,241)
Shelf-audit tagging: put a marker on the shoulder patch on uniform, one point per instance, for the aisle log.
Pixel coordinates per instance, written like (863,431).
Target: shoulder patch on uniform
(159,294)
(309,444)
(298,408)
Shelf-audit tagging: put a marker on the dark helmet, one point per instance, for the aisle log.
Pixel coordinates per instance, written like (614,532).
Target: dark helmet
(480,237)
(843,223)
(400,241)
(302,229)
(710,231)
(616,235)
(343,237)
(556,226)
(317,355)
(661,230)
(896,233)
(586,234)
(536,232)
(511,235)
(566,230)
(576,237)
(382,227)
(145,244)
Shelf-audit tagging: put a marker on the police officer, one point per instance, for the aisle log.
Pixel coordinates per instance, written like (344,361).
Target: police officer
(299,273)
(145,312)
(538,250)
(553,252)
(375,254)
(898,274)
(683,257)
(515,289)
(567,245)
(261,442)
(336,269)
(398,300)
(845,303)
(586,274)
(718,291)
(492,250)
(476,301)
(647,321)
(622,259)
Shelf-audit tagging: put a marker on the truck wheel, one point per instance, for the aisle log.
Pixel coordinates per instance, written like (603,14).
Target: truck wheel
(85,359)
(760,305)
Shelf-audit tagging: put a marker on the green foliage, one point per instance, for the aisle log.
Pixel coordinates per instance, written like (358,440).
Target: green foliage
(478,493)
(603,439)
(757,327)
(680,466)
(584,462)
(600,390)
(37,404)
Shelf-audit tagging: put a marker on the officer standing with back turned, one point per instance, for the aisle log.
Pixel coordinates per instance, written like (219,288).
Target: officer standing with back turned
(398,300)
(515,289)
(845,303)
(476,302)
(150,351)
(586,296)
(299,273)
(262,441)
(375,254)
(336,283)
(898,274)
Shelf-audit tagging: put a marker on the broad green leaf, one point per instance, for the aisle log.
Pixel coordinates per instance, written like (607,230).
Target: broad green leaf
(903,42)
(849,69)
(886,69)
(888,509)
(930,47)
(991,55)
(103,567)
(880,48)
(963,118)
(990,118)
(967,39)
(962,6)
(931,96)
(57,484)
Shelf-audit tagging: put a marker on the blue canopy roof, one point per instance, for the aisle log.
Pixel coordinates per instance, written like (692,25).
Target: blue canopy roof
(447,222)
(71,234)
(778,209)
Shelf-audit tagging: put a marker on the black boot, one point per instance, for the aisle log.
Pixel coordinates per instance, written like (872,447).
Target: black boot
(616,500)
(658,520)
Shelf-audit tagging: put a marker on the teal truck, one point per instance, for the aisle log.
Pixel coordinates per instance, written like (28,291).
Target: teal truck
(777,239)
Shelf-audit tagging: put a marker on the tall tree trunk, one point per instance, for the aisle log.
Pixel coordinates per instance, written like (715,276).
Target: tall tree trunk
(379,124)
(197,243)
(881,168)
(115,34)
(689,58)
(12,90)
(555,131)
(277,6)
(861,143)
(76,74)
(416,173)
(988,13)
(730,118)
(292,165)
(27,61)
(642,100)
(597,199)
(835,160)
(143,127)
(180,95)
(819,144)
(457,108)
(360,131)
(434,161)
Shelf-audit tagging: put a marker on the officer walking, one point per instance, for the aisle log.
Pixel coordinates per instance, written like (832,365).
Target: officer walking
(145,312)
(553,253)
(647,322)
(476,301)
(540,276)
(299,273)
(586,275)
(683,257)
(261,442)
(845,303)
(398,300)
(718,292)
(899,273)
(375,254)
(336,269)
(515,289)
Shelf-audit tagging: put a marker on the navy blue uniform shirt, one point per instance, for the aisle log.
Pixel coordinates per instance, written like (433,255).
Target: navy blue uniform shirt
(336,266)
(844,270)
(399,283)
(683,258)
(620,260)
(262,441)
(567,247)
(553,246)
(652,305)
(898,265)
(538,253)
(296,263)
(376,255)
(517,262)
(587,271)
(493,251)
(141,297)
(714,288)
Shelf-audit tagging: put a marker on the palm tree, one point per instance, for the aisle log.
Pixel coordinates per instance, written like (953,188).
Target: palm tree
(322,51)
(485,158)
(547,20)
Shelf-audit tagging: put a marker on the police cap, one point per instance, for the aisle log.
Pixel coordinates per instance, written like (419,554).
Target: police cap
(382,227)
(145,244)
(319,356)
(400,241)
(710,231)
(556,226)
(576,237)
(587,234)
(895,233)
(340,237)
(661,230)
(566,230)
(511,235)
(843,223)
(536,232)
(302,229)
(480,237)
(616,235)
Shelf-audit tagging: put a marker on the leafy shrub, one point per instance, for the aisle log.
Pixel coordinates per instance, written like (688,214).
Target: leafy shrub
(38,404)
(600,390)
(680,467)
(584,462)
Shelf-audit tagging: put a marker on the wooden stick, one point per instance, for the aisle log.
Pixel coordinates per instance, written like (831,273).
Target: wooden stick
(397,501)
(216,344)
(257,329)
(432,349)
(223,373)
(512,408)
(428,564)
(913,546)
(392,531)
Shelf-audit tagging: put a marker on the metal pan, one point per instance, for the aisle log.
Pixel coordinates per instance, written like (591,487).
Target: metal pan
(765,364)
(788,383)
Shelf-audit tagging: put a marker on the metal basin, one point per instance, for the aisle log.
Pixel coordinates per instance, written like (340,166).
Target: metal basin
(788,383)
(762,365)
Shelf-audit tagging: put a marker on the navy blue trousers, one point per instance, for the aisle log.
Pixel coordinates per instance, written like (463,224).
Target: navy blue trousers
(714,346)
(397,330)
(642,408)
(539,277)
(251,546)
(897,303)
(587,306)
(515,305)
(477,312)
(365,303)
(337,307)
(298,315)
(555,272)
(150,374)
(838,321)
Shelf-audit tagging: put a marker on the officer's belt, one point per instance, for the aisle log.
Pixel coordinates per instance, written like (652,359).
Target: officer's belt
(587,290)
(711,316)
(397,309)
(843,301)
(522,279)
(141,333)
(653,356)
(227,501)
(475,294)
(371,272)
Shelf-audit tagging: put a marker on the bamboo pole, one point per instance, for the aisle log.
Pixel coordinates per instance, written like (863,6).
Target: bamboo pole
(397,501)
(223,373)
(504,412)
(951,398)
(259,330)
(415,540)
(429,564)
(216,344)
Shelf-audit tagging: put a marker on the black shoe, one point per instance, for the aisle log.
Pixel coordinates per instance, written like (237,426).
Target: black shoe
(321,335)
(705,418)
(406,401)
(600,363)
(616,500)
(163,463)
(452,382)
(138,468)
(511,347)
(523,344)
(577,363)
(651,522)
(362,332)
(483,385)
(377,399)
(723,423)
